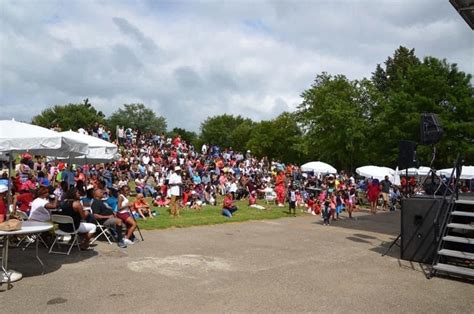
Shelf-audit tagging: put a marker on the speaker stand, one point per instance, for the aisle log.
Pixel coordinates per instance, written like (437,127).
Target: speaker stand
(433,175)
(394,242)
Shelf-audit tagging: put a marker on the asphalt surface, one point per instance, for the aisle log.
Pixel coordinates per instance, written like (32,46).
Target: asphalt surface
(287,265)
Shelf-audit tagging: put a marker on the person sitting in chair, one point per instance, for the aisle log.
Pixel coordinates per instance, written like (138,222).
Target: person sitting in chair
(72,207)
(105,216)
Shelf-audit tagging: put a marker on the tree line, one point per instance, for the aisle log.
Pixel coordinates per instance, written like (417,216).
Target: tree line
(347,123)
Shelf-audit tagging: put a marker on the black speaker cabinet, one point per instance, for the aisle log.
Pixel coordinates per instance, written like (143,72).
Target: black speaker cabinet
(418,230)
(431,131)
(407,154)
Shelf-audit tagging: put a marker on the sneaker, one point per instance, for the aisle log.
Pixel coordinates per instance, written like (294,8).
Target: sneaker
(135,240)
(122,244)
(128,241)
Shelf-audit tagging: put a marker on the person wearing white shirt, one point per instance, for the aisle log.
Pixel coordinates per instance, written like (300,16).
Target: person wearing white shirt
(146,159)
(41,205)
(174,183)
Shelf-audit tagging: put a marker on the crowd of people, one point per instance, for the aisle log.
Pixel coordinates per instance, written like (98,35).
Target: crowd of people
(169,173)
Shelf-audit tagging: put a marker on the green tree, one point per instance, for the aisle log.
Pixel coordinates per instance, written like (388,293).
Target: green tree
(137,116)
(241,135)
(219,130)
(278,139)
(69,117)
(415,87)
(188,136)
(334,115)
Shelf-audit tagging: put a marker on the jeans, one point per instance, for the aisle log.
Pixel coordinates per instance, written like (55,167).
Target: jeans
(229,211)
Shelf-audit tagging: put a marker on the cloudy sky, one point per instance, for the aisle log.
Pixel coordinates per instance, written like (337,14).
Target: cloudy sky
(189,60)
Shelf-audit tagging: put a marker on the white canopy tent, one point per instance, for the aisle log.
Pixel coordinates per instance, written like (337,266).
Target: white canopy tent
(420,171)
(100,151)
(376,172)
(19,137)
(318,167)
(467,172)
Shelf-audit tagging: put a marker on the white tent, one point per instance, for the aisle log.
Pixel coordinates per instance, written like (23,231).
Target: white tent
(96,145)
(420,171)
(376,172)
(318,167)
(409,171)
(467,172)
(19,137)
(99,150)
(396,177)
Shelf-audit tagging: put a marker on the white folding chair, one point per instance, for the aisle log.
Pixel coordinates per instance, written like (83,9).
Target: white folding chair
(101,229)
(62,219)
(270,197)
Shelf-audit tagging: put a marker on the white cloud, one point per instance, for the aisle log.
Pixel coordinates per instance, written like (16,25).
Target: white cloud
(189,60)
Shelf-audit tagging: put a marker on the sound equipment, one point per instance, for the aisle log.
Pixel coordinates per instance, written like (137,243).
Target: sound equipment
(431,131)
(418,230)
(407,154)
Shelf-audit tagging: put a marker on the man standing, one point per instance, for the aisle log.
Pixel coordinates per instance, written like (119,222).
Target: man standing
(386,185)
(175,182)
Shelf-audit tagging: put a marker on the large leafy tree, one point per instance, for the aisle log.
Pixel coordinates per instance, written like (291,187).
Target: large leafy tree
(279,139)
(69,117)
(188,136)
(137,116)
(334,114)
(225,130)
(411,87)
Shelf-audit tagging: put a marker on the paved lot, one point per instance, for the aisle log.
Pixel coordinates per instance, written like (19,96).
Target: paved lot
(285,265)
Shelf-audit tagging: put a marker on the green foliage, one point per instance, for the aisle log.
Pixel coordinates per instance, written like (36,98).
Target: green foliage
(278,139)
(226,131)
(188,136)
(335,114)
(69,117)
(415,87)
(137,116)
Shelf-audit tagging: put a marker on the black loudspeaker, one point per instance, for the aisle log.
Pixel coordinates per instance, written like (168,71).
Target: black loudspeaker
(431,131)
(418,229)
(407,154)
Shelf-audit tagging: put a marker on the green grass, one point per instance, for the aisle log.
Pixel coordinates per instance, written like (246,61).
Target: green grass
(210,215)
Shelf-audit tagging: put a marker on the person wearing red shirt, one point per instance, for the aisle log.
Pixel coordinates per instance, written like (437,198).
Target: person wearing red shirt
(228,208)
(280,188)
(373,191)
(23,201)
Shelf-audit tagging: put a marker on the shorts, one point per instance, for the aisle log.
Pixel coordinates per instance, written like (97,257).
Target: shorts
(86,227)
(385,197)
(123,216)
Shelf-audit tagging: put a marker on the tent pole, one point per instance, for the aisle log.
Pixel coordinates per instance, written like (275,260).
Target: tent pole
(10,174)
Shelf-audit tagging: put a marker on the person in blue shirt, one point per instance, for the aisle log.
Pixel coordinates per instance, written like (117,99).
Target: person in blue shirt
(68,176)
(42,180)
(4,179)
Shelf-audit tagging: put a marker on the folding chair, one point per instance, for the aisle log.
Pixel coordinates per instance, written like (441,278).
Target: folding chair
(59,233)
(101,229)
(270,197)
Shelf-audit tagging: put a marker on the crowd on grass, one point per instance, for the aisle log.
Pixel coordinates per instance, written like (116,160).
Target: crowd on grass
(169,174)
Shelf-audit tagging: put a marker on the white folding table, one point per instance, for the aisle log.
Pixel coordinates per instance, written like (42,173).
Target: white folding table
(28,227)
